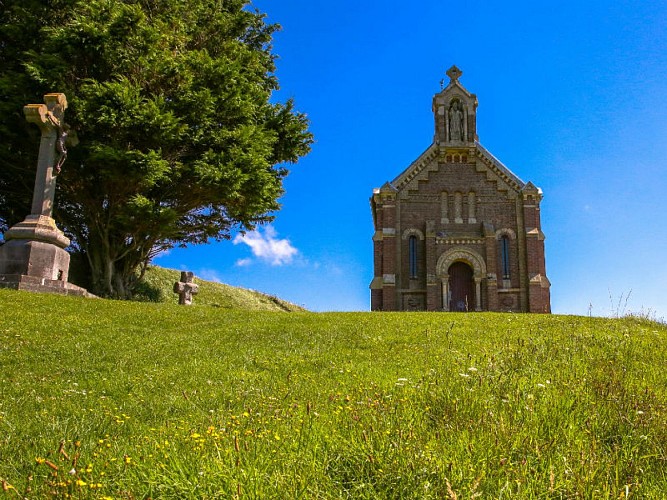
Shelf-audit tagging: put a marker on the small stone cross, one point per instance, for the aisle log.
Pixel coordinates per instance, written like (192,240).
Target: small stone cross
(49,118)
(454,73)
(186,288)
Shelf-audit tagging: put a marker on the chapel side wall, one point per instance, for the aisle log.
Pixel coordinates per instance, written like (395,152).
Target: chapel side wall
(383,206)
(539,297)
(378,251)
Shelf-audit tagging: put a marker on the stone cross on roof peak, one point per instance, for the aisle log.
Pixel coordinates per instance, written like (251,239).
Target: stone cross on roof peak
(454,73)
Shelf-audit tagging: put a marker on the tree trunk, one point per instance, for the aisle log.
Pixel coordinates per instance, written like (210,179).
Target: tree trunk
(111,276)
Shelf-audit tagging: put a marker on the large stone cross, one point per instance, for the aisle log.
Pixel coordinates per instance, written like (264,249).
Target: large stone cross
(49,118)
(39,224)
(186,288)
(33,256)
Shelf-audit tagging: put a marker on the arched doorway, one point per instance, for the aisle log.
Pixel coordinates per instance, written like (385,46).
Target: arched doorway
(461,287)
(473,263)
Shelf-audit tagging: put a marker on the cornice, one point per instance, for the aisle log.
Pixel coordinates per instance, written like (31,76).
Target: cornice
(496,166)
(416,167)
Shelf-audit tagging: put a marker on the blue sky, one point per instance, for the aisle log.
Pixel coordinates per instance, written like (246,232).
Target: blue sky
(572,96)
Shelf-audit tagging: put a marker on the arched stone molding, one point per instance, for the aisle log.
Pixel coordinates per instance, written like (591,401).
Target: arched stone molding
(413,232)
(470,257)
(505,232)
(461,254)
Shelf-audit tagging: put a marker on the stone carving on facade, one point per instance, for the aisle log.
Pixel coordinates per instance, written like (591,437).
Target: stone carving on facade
(456,121)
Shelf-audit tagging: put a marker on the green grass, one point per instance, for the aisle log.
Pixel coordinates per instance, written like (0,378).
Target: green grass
(148,400)
(158,285)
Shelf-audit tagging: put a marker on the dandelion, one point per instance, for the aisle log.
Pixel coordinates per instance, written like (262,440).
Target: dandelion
(80,482)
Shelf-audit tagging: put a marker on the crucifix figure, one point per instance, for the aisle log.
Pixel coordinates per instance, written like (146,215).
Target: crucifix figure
(186,288)
(49,118)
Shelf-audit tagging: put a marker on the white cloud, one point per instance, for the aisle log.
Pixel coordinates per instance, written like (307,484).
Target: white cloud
(243,262)
(267,247)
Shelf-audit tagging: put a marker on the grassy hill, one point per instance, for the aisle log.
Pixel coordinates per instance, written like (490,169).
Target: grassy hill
(158,284)
(108,399)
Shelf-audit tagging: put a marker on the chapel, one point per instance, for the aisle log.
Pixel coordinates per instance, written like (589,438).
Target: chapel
(457,230)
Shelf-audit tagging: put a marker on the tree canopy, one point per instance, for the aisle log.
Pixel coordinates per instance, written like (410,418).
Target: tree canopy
(179,139)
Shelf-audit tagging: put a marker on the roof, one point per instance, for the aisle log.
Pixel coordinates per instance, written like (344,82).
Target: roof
(427,157)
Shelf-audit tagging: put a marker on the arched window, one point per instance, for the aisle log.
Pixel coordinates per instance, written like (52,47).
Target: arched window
(505,256)
(412,252)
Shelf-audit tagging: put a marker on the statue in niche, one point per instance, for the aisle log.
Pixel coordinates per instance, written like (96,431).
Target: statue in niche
(456,121)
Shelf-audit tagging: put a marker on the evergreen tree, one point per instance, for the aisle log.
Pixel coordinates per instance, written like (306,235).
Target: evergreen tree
(179,141)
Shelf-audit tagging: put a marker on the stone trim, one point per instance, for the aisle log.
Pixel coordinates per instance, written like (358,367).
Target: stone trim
(459,241)
(413,232)
(505,232)
(376,284)
(424,160)
(497,166)
(461,254)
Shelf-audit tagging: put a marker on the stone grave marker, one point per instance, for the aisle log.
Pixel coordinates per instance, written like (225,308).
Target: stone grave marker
(185,288)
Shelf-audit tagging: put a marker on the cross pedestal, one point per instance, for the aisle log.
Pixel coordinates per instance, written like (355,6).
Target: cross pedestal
(186,288)
(33,256)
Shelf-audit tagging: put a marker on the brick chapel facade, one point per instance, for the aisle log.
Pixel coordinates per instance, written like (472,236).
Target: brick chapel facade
(457,230)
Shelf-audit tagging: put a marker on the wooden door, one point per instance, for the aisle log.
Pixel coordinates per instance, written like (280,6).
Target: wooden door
(461,287)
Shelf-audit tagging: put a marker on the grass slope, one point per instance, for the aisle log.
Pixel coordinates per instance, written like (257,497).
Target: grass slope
(107,399)
(158,285)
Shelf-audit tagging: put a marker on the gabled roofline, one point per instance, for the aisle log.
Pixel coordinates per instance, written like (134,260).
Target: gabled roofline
(500,166)
(415,167)
(432,151)
(457,84)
